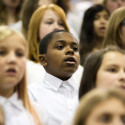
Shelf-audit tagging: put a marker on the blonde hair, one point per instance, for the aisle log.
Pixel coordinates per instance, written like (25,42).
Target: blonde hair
(21,87)
(33,32)
(93,98)
(113,32)
(5,32)
(2,119)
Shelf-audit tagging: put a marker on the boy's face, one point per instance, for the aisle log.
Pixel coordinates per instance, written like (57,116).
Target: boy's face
(62,55)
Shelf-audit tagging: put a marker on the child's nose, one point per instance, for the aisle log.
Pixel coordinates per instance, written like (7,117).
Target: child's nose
(103,20)
(12,57)
(56,26)
(122,77)
(69,51)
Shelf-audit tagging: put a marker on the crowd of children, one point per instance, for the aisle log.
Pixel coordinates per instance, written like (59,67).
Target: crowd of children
(62,62)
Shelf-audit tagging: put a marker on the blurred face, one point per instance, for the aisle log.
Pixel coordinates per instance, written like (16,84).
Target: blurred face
(12,63)
(109,112)
(44,2)
(62,55)
(100,23)
(112,71)
(114,4)
(54,1)
(50,22)
(12,3)
(123,36)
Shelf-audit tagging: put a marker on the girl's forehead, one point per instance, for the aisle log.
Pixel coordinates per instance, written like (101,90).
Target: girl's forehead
(50,10)
(15,37)
(113,56)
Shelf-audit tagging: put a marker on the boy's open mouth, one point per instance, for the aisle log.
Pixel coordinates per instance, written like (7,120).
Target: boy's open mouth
(70,60)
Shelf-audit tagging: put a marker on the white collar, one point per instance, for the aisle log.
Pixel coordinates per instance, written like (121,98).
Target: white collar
(52,81)
(14,100)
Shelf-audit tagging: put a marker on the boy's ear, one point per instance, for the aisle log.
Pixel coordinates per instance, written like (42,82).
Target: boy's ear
(42,59)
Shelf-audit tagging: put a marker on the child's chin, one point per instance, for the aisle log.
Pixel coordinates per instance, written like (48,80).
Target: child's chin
(70,71)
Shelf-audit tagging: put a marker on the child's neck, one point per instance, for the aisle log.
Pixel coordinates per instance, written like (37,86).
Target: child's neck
(62,77)
(98,41)
(11,12)
(6,93)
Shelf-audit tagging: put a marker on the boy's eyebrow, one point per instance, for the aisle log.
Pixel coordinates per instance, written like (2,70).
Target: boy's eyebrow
(63,41)
(60,41)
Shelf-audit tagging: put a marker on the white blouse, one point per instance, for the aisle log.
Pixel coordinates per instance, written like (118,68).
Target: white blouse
(15,113)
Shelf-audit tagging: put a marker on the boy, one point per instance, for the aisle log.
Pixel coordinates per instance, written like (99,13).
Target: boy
(58,92)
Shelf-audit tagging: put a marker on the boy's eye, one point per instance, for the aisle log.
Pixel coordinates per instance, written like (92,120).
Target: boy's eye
(75,49)
(60,47)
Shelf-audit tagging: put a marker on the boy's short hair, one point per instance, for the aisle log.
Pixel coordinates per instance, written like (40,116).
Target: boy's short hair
(46,40)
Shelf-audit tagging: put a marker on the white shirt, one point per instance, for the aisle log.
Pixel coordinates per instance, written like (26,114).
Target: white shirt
(15,113)
(60,98)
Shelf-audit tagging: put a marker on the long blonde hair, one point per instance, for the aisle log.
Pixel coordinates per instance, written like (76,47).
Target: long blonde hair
(113,32)
(21,87)
(33,32)
(2,119)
